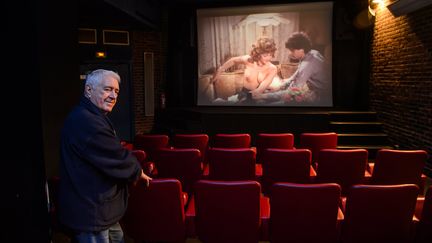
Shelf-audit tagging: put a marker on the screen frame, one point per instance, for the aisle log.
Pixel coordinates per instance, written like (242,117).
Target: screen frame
(257,9)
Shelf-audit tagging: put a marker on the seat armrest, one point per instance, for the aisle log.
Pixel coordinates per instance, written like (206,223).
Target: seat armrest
(185,198)
(370,167)
(422,184)
(419,207)
(265,218)
(190,218)
(367,177)
(128,146)
(258,171)
(312,174)
(342,203)
(340,215)
(340,219)
(148,168)
(206,170)
(265,207)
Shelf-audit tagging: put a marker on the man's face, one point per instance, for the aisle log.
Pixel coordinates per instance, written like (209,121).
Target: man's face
(297,54)
(104,95)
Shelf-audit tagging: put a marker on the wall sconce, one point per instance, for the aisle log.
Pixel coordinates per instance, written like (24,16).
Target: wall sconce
(366,17)
(101,54)
(373,5)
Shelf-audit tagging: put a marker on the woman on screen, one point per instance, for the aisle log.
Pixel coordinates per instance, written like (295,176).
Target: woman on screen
(259,72)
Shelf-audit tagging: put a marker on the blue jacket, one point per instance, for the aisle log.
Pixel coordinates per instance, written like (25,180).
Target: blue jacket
(94,171)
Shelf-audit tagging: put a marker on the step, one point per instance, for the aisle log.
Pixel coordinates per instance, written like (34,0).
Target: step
(356,127)
(363,138)
(372,149)
(340,116)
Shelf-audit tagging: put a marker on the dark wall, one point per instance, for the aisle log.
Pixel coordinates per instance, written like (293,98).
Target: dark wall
(41,65)
(350,54)
(147,41)
(138,19)
(60,85)
(182,57)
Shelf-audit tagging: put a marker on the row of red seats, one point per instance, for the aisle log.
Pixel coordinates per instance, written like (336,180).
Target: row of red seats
(345,167)
(236,211)
(288,157)
(313,141)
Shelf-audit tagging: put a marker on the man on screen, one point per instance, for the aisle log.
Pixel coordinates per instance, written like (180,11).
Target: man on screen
(309,83)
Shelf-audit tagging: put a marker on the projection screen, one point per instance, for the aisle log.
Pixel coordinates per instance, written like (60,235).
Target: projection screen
(269,55)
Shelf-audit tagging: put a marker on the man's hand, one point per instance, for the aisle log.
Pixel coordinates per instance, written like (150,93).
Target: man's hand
(144,177)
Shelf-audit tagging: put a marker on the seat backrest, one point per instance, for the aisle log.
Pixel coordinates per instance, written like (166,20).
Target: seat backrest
(317,141)
(236,140)
(231,164)
(155,213)
(379,213)
(285,165)
(304,212)
(197,141)
(150,143)
(273,140)
(398,166)
(126,145)
(345,167)
(182,164)
(424,232)
(227,211)
(140,155)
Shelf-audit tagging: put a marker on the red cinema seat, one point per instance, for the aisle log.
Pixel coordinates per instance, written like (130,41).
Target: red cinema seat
(286,165)
(317,141)
(273,140)
(155,213)
(227,211)
(236,140)
(399,167)
(197,141)
(150,143)
(233,164)
(379,213)
(182,164)
(304,212)
(345,167)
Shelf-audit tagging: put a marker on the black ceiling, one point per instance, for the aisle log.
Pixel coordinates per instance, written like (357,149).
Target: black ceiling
(146,14)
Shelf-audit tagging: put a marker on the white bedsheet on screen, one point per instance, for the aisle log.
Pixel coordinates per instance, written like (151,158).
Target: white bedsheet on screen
(223,33)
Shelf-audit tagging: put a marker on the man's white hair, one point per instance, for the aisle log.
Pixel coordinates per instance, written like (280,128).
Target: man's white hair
(96,76)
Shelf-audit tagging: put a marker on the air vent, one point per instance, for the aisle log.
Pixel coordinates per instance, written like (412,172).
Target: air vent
(115,37)
(87,36)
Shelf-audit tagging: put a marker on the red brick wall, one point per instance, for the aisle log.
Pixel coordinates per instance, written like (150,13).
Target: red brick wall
(146,42)
(401,76)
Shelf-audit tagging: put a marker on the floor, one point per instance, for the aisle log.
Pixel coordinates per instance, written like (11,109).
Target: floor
(60,238)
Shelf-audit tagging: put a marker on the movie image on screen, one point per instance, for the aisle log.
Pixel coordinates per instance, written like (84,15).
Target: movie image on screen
(269,55)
